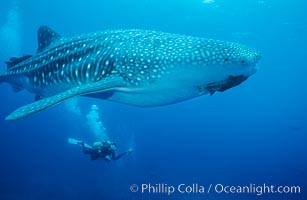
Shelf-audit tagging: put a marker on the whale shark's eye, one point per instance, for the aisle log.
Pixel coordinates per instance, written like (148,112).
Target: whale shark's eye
(243,61)
(226,59)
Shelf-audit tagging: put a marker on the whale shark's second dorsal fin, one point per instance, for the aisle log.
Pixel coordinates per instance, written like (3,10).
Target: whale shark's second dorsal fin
(46,37)
(14,61)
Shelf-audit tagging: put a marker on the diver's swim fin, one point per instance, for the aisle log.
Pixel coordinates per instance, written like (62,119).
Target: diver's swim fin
(73,141)
(129,151)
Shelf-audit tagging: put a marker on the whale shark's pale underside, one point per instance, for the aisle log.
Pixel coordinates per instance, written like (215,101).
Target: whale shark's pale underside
(134,67)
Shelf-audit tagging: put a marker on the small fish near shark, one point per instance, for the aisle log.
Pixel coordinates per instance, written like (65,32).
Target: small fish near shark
(135,67)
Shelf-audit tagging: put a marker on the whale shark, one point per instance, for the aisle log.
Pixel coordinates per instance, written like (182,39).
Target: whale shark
(136,67)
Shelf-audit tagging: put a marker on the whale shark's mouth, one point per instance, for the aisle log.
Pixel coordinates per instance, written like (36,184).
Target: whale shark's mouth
(221,86)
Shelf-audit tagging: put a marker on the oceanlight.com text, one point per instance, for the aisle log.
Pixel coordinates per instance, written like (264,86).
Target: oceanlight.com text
(196,188)
(257,189)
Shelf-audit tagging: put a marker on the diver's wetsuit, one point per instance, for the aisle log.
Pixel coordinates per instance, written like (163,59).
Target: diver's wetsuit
(101,152)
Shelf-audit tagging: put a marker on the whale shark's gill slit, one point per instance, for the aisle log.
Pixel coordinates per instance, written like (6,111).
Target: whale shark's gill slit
(105,64)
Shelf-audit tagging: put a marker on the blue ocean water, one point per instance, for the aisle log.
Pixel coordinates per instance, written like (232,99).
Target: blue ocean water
(252,134)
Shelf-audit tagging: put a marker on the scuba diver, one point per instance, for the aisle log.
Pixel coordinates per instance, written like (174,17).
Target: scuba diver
(100,149)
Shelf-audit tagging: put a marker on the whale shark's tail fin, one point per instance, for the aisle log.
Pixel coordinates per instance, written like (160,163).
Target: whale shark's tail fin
(1,77)
(6,76)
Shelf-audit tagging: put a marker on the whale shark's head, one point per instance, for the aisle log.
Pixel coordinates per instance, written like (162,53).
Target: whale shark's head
(239,56)
(231,64)
(170,68)
(214,65)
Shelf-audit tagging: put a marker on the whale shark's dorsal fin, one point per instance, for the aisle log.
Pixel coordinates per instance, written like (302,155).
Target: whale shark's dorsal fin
(46,37)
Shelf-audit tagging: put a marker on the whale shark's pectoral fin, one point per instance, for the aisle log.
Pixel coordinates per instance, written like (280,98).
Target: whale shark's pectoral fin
(100,86)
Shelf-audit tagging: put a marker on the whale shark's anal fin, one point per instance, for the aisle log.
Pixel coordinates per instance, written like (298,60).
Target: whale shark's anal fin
(100,86)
